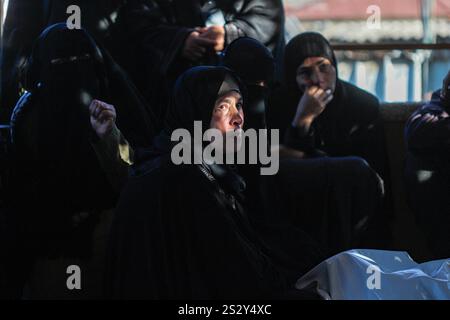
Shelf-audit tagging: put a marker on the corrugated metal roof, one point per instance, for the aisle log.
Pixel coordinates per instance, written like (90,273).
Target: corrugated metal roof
(357,9)
(357,31)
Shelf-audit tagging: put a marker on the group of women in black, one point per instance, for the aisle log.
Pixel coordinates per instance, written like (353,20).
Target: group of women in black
(191,231)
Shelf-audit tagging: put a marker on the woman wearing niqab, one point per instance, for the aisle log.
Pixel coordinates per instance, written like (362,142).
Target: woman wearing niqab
(61,190)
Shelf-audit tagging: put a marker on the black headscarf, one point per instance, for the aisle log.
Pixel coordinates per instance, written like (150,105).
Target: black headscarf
(59,43)
(351,108)
(250,59)
(178,235)
(93,75)
(57,171)
(193,99)
(301,47)
(56,164)
(350,125)
(65,74)
(195,94)
(184,227)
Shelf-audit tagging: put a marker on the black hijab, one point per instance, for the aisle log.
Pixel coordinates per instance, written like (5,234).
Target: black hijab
(195,94)
(57,169)
(349,121)
(65,73)
(301,47)
(173,227)
(93,75)
(284,102)
(250,59)
(184,227)
(193,99)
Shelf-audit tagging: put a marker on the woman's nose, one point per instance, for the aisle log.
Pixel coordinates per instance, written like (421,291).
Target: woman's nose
(315,77)
(237,120)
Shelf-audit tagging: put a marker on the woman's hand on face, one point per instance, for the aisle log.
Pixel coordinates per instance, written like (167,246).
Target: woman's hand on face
(102,117)
(311,105)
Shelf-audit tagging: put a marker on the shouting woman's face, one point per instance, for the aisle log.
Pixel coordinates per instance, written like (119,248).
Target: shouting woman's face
(228,117)
(228,114)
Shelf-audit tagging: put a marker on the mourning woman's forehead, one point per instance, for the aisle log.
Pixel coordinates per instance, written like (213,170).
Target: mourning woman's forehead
(229,95)
(228,85)
(195,95)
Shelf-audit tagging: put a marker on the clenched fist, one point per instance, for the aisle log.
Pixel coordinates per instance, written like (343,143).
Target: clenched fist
(103,117)
(215,34)
(196,46)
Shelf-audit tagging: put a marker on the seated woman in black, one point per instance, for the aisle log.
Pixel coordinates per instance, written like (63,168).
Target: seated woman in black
(332,131)
(427,169)
(181,231)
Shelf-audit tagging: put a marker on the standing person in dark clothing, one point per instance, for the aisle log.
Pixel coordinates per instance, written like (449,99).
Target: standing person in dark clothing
(54,148)
(335,129)
(181,231)
(427,170)
(25,20)
(171,36)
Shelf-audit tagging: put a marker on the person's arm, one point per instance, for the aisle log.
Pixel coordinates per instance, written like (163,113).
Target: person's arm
(259,19)
(112,149)
(428,132)
(147,24)
(24,21)
(299,139)
(300,134)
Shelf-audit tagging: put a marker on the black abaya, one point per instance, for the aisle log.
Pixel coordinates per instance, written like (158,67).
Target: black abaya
(427,173)
(182,232)
(60,190)
(344,148)
(25,20)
